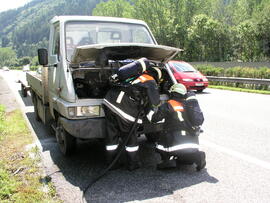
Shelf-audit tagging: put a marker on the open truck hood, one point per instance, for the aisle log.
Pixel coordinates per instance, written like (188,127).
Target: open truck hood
(121,51)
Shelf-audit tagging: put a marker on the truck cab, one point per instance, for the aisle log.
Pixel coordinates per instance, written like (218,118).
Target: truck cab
(84,51)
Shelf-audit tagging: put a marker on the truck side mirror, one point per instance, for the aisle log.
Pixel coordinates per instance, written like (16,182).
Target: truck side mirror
(43,57)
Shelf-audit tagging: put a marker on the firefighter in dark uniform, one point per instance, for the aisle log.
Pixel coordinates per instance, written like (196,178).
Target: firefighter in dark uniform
(177,142)
(122,106)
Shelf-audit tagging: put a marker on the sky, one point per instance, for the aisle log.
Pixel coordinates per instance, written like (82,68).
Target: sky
(11,4)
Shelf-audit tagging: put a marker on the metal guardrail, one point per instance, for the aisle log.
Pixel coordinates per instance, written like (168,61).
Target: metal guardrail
(230,64)
(240,80)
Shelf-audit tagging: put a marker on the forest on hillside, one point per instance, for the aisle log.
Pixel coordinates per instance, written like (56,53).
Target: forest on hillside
(207,30)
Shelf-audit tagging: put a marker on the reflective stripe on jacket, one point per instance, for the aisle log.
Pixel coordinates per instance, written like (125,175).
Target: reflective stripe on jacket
(177,106)
(123,101)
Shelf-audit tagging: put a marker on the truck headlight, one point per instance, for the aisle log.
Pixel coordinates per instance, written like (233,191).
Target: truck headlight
(88,111)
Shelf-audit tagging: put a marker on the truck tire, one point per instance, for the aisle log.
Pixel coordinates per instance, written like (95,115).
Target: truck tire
(66,142)
(34,99)
(23,90)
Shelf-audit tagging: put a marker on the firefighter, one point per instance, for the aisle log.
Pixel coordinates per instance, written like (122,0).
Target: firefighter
(177,142)
(122,106)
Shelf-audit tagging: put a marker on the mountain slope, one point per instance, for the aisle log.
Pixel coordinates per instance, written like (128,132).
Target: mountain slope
(27,27)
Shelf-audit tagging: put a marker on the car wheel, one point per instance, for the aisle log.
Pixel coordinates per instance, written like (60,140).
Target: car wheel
(66,142)
(200,91)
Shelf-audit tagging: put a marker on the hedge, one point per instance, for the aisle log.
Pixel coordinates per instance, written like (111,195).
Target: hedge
(244,72)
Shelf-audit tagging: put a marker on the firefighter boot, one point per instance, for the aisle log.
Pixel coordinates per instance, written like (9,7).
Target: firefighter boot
(200,161)
(168,162)
(133,161)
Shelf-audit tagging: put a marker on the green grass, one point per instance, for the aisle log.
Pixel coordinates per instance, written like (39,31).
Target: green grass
(239,89)
(20,174)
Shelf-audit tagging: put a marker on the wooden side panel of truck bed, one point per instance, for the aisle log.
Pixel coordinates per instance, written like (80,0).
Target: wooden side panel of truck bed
(35,82)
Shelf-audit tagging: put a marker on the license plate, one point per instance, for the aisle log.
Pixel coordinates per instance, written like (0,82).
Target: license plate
(198,84)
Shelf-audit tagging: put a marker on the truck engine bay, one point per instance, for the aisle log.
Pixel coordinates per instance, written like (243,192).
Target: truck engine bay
(92,65)
(92,81)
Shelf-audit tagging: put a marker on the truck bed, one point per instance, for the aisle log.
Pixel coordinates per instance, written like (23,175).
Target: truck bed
(35,82)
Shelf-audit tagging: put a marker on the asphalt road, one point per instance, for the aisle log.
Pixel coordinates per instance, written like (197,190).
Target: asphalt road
(236,140)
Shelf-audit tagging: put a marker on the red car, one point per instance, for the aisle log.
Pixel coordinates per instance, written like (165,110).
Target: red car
(187,75)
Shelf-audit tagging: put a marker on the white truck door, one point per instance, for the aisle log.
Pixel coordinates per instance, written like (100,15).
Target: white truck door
(54,65)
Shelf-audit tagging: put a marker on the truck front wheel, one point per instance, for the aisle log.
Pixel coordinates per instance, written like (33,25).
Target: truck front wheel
(66,142)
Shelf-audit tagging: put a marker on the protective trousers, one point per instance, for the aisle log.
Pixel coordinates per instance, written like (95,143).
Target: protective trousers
(118,129)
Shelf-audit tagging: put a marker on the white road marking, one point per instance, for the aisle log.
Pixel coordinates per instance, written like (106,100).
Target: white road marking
(236,154)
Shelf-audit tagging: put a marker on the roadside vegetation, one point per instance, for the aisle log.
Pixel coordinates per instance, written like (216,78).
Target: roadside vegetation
(21,176)
(238,89)
(244,72)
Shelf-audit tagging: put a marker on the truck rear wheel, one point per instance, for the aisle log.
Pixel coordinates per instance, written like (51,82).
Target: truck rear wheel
(34,99)
(66,142)
(23,91)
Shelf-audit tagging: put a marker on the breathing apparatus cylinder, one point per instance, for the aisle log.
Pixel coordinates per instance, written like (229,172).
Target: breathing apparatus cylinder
(133,69)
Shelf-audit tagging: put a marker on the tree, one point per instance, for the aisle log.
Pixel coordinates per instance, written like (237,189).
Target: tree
(159,16)
(207,39)
(24,61)
(245,40)
(114,8)
(5,41)
(7,56)
(262,20)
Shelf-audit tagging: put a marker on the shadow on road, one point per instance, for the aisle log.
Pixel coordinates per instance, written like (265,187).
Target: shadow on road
(204,92)
(146,183)
(118,185)
(26,100)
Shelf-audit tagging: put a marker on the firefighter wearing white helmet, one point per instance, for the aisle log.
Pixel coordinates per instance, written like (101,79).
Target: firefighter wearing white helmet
(178,88)
(176,142)
(121,106)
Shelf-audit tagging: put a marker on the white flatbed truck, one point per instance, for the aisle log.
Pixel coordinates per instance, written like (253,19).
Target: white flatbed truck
(83,52)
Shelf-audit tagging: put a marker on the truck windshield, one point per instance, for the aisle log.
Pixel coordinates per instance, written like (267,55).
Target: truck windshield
(85,33)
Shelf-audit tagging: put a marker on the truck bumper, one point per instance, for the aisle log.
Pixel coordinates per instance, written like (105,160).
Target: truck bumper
(86,128)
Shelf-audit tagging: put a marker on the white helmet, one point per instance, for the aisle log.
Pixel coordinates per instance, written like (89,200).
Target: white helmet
(178,88)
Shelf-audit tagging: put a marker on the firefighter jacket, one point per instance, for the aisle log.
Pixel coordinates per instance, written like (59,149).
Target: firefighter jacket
(173,114)
(126,101)
(176,135)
